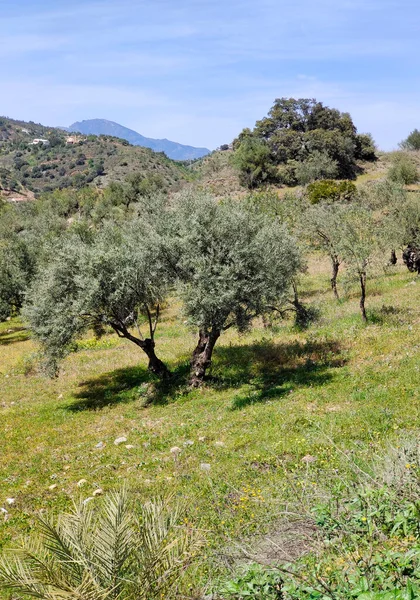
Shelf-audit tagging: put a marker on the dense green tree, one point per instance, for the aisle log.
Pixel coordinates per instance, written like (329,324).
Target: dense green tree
(298,130)
(233,263)
(365,147)
(254,162)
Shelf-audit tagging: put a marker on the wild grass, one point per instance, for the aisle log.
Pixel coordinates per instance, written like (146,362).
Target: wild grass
(335,392)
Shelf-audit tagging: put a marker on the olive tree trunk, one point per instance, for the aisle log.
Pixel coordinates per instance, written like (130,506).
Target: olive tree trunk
(362,278)
(201,358)
(393,258)
(335,266)
(155,365)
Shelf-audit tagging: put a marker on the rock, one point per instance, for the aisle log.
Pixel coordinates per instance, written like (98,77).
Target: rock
(175,450)
(205,467)
(66,467)
(100,445)
(3,511)
(120,440)
(202,438)
(81,483)
(188,443)
(52,487)
(10,501)
(129,446)
(308,459)
(98,492)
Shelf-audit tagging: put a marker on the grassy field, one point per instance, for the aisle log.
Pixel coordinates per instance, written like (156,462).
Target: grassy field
(333,394)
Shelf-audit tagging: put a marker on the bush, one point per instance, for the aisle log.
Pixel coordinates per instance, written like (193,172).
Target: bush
(318,166)
(403,170)
(328,190)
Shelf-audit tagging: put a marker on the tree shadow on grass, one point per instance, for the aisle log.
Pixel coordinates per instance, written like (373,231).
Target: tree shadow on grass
(272,370)
(128,385)
(13,336)
(269,370)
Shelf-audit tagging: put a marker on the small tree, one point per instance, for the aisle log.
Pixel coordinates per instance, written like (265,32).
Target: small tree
(233,263)
(321,226)
(412,141)
(359,244)
(97,281)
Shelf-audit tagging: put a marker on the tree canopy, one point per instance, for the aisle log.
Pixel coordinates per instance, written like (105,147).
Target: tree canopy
(304,131)
(233,263)
(97,281)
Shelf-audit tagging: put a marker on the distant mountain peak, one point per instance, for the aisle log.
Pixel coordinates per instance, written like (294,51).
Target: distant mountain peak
(171,149)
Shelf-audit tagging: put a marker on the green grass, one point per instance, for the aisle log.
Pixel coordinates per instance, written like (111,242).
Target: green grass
(336,392)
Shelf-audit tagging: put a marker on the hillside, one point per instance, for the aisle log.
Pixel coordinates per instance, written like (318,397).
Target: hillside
(173,150)
(28,168)
(339,393)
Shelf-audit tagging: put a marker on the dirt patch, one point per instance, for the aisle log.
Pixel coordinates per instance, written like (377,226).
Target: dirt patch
(288,541)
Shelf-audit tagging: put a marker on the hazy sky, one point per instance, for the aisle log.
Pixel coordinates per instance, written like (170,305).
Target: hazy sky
(198,71)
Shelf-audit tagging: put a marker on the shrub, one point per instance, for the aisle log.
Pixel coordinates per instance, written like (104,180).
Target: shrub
(318,166)
(403,170)
(328,190)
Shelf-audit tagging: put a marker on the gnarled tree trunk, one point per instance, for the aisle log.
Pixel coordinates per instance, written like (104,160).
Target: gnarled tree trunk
(201,358)
(155,365)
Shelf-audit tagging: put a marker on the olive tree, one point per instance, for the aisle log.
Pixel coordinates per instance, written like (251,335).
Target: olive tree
(107,279)
(17,262)
(321,226)
(360,243)
(233,262)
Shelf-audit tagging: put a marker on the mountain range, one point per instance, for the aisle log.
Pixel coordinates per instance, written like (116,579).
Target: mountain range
(171,149)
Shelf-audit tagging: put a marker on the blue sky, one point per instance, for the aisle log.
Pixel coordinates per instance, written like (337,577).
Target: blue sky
(198,71)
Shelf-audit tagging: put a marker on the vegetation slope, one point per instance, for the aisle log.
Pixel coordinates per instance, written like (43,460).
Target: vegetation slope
(27,169)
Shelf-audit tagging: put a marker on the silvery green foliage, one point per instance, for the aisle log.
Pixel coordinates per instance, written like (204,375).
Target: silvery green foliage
(95,280)
(233,261)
